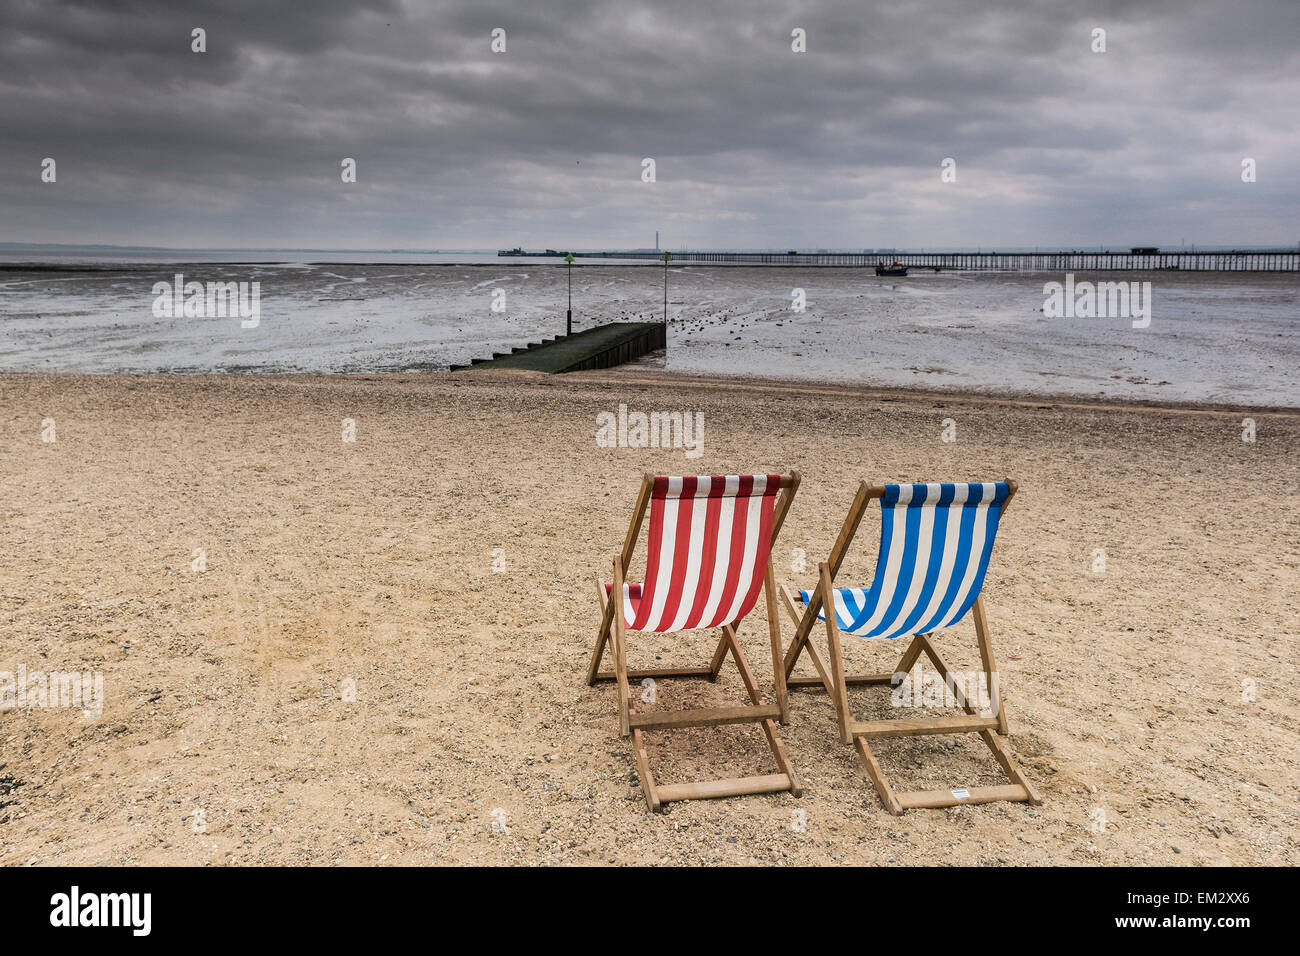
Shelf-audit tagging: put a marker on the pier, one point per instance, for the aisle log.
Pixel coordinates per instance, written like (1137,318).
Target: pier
(1259,260)
(602,347)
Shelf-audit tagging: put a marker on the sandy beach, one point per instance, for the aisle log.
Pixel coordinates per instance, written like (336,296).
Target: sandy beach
(357,675)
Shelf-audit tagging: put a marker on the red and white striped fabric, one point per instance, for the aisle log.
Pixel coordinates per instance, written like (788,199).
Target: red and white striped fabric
(709,539)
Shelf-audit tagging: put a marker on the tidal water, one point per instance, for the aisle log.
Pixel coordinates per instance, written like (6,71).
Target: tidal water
(1229,338)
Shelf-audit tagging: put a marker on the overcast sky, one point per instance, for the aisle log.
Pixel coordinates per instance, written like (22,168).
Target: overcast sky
(754,145)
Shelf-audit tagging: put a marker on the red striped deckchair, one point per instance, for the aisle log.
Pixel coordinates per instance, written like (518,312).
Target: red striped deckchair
(708,555)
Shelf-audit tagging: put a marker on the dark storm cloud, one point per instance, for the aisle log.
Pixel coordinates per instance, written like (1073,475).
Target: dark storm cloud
(755,145)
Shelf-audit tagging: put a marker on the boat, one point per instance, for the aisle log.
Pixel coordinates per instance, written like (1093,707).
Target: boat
(897,269)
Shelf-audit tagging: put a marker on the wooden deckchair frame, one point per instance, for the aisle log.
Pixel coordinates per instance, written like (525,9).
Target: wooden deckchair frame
(836,684)
(612,628)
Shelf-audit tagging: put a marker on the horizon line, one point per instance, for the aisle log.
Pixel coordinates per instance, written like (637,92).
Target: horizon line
(807,250)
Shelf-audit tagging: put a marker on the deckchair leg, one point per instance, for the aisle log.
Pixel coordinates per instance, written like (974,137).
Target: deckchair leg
(877,777)
(841,693)
(990,665)
(782,759)
(774,635)
(593,669)
(1009,767)
(620,651)
(719,655)
(823,675)
(794,683)
(643,771)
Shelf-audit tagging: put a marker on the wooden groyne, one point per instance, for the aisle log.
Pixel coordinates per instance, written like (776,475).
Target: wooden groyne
(1263,260)
(602,347)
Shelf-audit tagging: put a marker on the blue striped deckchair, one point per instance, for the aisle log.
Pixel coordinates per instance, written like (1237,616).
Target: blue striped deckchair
(935,543)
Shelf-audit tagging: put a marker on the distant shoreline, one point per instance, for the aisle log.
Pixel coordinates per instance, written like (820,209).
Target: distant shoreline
(533,262)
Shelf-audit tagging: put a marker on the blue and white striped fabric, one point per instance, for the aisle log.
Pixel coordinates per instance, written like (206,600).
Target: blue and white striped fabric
(935,542)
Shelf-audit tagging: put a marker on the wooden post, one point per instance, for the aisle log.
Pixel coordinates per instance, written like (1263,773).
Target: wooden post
(568,322)
(666,258)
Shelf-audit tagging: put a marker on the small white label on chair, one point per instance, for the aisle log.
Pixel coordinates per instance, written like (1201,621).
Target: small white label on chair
(961,794)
